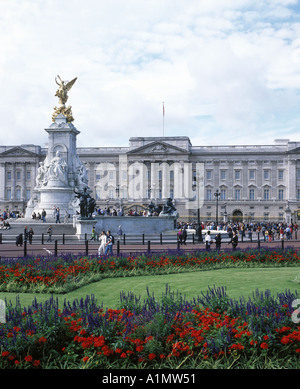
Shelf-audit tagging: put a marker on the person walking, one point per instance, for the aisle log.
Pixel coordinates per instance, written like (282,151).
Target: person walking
(109,243)
(103,241)
(30,235)
(207,241)
(49,232)
(93,233)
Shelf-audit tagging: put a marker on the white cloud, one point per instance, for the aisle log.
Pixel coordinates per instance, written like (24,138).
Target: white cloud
(227,70)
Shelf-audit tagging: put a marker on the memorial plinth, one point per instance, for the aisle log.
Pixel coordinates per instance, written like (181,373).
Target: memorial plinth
(131,225)
(62,172)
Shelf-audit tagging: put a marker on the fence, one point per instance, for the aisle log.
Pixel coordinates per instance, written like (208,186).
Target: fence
(128,244)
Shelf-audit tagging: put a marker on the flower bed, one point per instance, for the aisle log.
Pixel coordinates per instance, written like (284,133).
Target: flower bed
(171,332)
(65,273)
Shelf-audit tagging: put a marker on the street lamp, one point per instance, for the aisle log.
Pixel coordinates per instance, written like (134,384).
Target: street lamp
(120,201)
(199,229)
(225,213)
(217,195)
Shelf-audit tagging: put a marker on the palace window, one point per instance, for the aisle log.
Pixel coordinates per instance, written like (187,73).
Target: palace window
(251,174)
(280,174)
(266,194)
(208,194)
(280,194)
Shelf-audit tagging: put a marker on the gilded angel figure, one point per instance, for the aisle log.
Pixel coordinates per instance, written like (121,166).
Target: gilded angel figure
(64,87)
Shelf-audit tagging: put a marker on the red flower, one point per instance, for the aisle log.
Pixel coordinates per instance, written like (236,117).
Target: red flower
(264,345)
(28,358)
(85,359)
(5,354)
(42,339)
(36,362)
(151,356)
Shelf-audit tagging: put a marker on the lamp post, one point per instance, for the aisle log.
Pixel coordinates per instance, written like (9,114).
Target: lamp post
(199,229)
(120,201)
(225,213)
(217,195)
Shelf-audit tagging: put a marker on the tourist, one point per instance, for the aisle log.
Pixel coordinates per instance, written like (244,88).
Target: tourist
(19,240)
(49,232)
(44,216)
(66,217)
(120,232)
(25,234)
(234,241)
(109,243)
(207,241)
(184,235)
(30,235)
(179,236)
(103,240)
(218,240)
(57,215)
(93,233)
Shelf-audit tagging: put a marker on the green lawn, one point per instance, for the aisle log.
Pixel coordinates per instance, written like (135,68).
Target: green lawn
(239,282)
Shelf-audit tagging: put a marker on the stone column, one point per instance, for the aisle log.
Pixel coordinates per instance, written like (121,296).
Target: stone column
(165,180)
(188,173)
(23,186)
(2,180)
(178,181)
(230,180)
(13,180)
(245,177)
(154,180)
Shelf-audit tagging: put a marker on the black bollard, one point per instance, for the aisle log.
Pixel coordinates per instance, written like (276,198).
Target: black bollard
(149,246)
(55,248)
(25,248)
(86,247)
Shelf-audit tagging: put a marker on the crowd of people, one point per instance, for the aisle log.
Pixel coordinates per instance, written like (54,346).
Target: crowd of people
(267,231)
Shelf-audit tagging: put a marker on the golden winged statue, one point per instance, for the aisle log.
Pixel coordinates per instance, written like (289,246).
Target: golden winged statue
(64,87)
(62,94)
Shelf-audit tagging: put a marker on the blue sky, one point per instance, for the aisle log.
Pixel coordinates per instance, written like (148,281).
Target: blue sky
(228,71)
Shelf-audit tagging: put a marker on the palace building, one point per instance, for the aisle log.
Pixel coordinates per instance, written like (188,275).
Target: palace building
(242,182)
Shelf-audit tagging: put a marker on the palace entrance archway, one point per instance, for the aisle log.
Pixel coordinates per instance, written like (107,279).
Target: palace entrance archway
(237,216)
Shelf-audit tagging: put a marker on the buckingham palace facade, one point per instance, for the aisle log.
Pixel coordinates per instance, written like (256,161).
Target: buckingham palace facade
(246,183)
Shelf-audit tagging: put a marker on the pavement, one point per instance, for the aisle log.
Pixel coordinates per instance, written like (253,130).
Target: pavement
(65,241)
